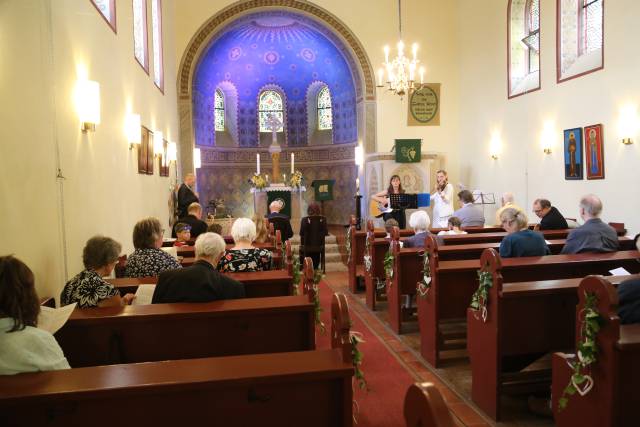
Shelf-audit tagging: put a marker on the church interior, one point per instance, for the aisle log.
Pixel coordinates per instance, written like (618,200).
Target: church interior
(110,104)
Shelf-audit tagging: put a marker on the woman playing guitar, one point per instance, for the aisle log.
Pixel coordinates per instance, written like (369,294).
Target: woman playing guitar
(395,187)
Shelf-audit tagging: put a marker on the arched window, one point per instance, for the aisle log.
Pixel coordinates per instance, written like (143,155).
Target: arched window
(325,120)
(580,24)
(524,46)
(270,103)
(140,45)
(219,111)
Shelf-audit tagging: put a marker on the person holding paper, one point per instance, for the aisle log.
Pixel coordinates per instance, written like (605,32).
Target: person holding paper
(23,347)
(520,241)
(88,288)
(442,200)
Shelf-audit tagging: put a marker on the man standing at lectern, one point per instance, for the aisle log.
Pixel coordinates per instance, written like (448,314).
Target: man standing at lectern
(187,194)
(279,220)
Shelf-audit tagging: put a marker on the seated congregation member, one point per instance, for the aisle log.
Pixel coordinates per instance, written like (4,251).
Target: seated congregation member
(419,221)
(194,220)
(454,227)
(199,282)
(520,241)
(244,256)
(550,217)
(262,233)
(470,215)
(629,298)
(280,221)
(594,235)
(313,230)
(214,227)
(388,226)
(183,234)
(23,347)
(88,288)
(507,201)
(148,259)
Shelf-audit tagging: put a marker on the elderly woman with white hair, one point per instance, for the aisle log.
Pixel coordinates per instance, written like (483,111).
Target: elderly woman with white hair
(200,282)
(520,241)
(244,256)
(419,221)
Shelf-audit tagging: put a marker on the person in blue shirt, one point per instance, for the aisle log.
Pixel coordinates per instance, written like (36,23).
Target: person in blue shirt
(520,241)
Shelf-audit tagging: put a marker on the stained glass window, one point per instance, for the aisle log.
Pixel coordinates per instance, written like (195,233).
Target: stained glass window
(591,25)
(325,120)
(140,50)
(219,111)
(107,9)
(156,24)
(532,40)
(270,104)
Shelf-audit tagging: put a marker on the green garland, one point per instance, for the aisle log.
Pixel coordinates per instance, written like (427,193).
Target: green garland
(348,245)
(480,298)
(424,286)
(317,276)
(388,263)
(284,255)
(367,254)
(587,352)
(357,356)
(296,275)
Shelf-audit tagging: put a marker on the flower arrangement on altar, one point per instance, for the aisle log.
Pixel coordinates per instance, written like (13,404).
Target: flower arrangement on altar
(258,181)
(296,180)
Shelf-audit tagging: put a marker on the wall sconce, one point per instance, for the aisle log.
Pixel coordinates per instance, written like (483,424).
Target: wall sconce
(88,104)
(158,148)
(494,146)
(172,152)
(196,158)
(628,123)
(132,129)
(547,137)
(359,155)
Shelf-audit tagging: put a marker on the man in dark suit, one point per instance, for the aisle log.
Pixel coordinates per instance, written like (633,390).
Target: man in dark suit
(594,235)
(187,194)
(193,219)
(200,282)
(550,217)
(280,221)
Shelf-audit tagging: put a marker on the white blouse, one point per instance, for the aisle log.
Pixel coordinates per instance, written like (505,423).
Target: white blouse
(28,350)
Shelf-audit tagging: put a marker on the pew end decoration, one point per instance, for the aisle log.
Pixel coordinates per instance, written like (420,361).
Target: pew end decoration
(425,406)
(388,257)
(596,313)
(490,261)
(312,290)
(424,286)
(295,181)
(368,241)
(258,182)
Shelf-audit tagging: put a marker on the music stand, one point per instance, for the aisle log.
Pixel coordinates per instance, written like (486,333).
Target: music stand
(403,201)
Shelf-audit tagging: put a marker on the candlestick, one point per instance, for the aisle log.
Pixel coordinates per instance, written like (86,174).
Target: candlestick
(292,162)
(258,163)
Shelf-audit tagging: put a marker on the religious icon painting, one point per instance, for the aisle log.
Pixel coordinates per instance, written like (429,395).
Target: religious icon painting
(573,153)
(594,151)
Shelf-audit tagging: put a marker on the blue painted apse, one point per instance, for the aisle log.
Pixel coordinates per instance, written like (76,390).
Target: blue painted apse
(280,50)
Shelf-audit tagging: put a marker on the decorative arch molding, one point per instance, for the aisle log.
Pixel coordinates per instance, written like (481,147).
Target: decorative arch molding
(363,73)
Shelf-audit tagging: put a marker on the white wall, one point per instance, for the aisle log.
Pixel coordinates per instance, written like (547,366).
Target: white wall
(49,45)
(522,166)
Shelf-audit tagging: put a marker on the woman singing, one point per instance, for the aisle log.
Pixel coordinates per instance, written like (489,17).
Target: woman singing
(442,200)
(395,187)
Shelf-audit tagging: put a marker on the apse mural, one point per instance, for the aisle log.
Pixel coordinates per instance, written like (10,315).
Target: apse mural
(273,49)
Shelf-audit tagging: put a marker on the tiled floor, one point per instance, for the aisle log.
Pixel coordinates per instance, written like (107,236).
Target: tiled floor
(453,380)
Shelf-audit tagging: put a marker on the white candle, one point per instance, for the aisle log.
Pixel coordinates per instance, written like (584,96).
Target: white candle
(284,177)
(357,182)
(258,163)
(267,178)
(292,162)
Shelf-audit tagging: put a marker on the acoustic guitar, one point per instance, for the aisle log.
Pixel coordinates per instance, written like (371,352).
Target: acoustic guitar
(378,209)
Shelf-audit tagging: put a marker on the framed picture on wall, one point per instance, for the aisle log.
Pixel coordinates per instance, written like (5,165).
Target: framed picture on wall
(594,151)
(150,153)
(143,149)
(573,153)
(163,164)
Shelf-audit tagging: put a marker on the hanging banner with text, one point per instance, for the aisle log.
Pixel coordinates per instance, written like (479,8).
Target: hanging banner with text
(424,106)
(408,150)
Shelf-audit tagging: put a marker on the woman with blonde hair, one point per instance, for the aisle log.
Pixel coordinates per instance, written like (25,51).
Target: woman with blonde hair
(520,241)
(442,199)
(262,233)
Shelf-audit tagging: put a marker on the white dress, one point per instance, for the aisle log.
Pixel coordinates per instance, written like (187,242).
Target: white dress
(442,207)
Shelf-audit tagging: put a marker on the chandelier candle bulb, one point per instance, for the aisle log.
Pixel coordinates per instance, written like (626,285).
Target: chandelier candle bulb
(386,54)
(258,163)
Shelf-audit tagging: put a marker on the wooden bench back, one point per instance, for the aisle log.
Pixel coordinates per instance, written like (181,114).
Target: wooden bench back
(424,406)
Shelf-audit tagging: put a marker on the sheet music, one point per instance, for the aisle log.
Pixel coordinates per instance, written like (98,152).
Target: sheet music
(52,319)
(619,272)
(144,294)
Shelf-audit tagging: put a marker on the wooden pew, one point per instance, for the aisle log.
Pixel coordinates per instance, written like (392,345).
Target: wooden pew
(454,282)
(276,253)
(614,399)
(523,321)
(258,284)
(190,250)
(310,388)
(143,333)
(424,406)
(465,239)
(355,253)
(373,262)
